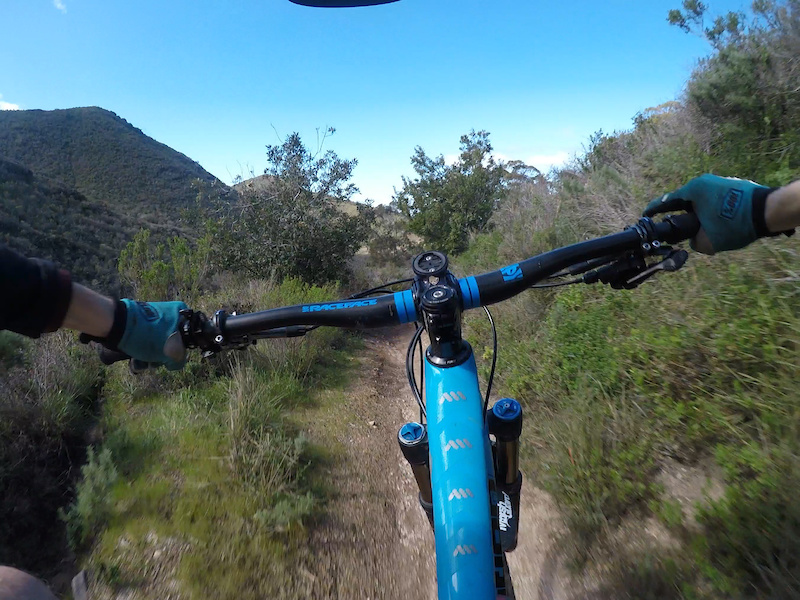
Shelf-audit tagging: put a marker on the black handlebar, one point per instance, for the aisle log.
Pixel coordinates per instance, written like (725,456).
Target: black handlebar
(677,228)
(227,331)
(509,281)
(481,290)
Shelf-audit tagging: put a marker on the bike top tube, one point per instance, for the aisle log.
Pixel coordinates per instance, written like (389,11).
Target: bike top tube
(476,291)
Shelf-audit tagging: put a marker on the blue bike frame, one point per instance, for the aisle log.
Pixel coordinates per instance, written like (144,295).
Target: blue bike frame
(468,560)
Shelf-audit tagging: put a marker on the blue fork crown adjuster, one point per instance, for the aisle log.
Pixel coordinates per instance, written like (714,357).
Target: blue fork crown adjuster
(404,304)
(470,296)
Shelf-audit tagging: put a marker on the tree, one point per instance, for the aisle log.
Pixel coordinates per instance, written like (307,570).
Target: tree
(692,20)
(299,221)
(446,203)
(747,90)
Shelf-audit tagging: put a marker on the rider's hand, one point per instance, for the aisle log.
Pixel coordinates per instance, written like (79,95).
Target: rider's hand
(147,332)
(731,211)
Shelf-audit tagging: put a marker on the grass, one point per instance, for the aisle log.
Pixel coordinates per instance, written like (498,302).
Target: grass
(215,475)
(12,349)
(48,403)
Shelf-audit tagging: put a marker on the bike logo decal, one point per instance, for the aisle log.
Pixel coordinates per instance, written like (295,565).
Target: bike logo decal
(511,272)
(730,204)
(339,305)
(465,550)
(451,397)
(506,512)
(461,493)
(456,444)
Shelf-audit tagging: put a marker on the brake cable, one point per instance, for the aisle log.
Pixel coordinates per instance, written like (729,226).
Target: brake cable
(412,380)
(494,360)
(557,283)
(381,288)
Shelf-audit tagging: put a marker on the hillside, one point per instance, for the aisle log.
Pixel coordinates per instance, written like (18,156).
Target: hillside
(105,158)
(49,220)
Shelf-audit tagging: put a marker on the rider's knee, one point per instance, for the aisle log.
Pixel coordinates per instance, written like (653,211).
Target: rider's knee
(17,585)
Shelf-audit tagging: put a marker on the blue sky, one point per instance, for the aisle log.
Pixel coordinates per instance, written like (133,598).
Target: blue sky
(220,80)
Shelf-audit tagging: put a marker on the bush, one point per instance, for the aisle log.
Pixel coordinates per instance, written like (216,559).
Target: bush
(745,93)
(47,407)
(153,272)
(12,349)
(752,535)
(263,456)
(297,224)
(92,508)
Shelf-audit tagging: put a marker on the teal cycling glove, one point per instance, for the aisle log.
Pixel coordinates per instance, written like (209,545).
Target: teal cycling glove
(147,332)
(731,211)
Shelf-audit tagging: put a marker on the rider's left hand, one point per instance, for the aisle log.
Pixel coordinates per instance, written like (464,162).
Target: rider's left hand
(147,332)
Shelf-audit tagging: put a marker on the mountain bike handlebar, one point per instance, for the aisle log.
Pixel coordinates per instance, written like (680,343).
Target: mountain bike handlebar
(225,330)
(401,307)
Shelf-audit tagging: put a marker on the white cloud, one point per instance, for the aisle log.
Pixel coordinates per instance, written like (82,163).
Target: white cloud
(59,4)
(545,162)
(7,105)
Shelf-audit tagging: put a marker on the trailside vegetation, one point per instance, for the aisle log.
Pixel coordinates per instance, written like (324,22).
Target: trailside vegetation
(204,466)
(630,395)
(210,484)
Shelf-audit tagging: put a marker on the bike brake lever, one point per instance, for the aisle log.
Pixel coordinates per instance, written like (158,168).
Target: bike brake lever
(674,261)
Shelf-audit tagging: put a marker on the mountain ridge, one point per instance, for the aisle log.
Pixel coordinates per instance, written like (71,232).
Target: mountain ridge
(77,184)
(107,159)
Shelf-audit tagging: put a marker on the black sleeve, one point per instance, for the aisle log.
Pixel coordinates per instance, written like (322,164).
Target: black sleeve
(34,294)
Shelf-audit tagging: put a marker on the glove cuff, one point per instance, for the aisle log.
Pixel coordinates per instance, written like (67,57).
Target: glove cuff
(759,209)
(120,321)
(112,340)
(760,195)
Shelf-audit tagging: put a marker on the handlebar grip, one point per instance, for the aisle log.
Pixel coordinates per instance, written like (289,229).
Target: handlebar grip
(677,228)
(109,357)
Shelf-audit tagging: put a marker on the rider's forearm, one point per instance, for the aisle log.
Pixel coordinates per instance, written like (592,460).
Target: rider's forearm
(782,210)
(89,312)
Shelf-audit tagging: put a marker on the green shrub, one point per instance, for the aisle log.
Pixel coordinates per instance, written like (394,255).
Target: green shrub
(92,507)
(445,204)
(12,349)
(598,461)
(286,511)
(151,271)
(263,455)
(751,537)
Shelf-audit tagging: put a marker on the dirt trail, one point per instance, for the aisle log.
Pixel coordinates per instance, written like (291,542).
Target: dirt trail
(375,542)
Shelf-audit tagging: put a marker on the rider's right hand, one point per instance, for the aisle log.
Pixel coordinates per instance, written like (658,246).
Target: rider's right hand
(147,332)
(731,211)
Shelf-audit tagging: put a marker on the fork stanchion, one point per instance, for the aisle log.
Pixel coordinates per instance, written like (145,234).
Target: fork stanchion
(413,438)
(505,424)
